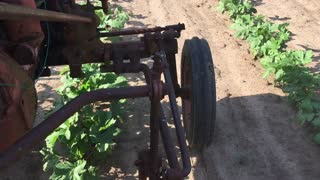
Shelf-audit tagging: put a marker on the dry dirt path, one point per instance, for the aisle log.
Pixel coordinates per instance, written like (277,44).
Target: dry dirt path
(255,137)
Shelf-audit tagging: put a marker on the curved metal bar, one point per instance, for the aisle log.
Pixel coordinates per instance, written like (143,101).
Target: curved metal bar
(129,68)
(15,12)
(176,118)
(37,134)
(178,27)
(168,143)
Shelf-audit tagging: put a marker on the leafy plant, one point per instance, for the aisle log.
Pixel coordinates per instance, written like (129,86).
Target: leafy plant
(115,20)
(268,42)
(76,148)
(87,137)
(236,7)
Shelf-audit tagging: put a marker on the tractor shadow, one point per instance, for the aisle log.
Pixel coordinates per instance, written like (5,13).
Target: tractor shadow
(234,120)
(242,127)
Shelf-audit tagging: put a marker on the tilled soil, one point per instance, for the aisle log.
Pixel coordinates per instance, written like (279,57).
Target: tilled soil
(256,136)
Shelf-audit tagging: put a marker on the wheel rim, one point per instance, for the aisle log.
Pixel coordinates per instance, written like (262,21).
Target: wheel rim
(186,100)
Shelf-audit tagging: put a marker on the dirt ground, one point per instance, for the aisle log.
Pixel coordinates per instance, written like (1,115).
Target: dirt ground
(256,137)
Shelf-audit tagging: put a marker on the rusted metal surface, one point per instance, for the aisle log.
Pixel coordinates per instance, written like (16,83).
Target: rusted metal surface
(155,117)
(130,68)
(39,133)
(14,12)
(75,44)
(22,30)
(148,163)
(176,119)
(25,54)
(24,37)
(178,27)
(18,101)
(82,45)
(168,143)
(105,7)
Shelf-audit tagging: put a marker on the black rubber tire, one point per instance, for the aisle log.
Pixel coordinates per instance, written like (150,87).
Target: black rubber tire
(197,72)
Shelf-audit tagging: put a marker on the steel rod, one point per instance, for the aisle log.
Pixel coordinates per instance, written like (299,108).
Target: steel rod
(131,68)
(39,133)
(155,117)
(15,12)
(168,143)
(176,119)
(178,27)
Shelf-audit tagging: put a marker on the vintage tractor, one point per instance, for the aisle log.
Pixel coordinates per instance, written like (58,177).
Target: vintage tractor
(61,32)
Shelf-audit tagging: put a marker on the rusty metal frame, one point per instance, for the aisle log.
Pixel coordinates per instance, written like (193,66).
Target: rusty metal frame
(40,132)
(15,12)
(155,90)
(159,43)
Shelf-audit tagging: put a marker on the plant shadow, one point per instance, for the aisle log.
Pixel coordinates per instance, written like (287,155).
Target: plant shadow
(257,2)
(277,18)
(315,67)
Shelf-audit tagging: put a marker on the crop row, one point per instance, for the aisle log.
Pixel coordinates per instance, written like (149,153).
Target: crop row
(289,67)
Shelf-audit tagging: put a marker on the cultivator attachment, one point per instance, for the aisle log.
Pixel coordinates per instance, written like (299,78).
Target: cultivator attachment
(72,38)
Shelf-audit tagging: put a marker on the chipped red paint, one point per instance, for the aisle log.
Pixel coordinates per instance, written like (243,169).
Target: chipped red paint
(23,30)
(18,101)
(18,104)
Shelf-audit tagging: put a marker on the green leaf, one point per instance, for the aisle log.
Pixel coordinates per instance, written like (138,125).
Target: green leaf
(305,116)
(279,73)
(78,171)
(51,162)
(316,122)
(52,139)
(107,124)
(64,165)
(102,147)
(267,73)
(316,138)
(68,134)
(83,136)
